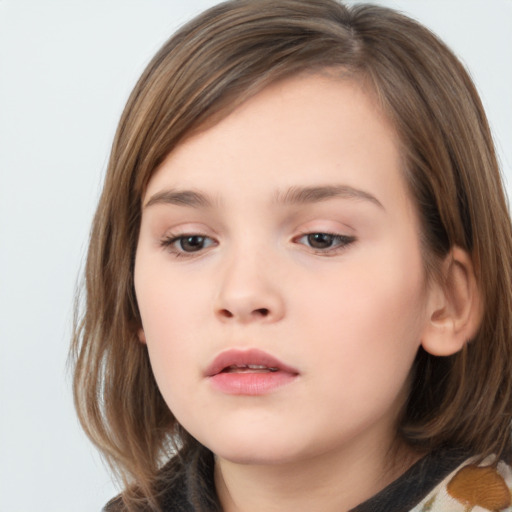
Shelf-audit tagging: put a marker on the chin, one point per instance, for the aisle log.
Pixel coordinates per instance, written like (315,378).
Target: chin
(256,456)
(256,449)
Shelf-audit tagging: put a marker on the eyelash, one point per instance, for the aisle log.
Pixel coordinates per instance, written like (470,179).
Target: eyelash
(170,243)
(341,242)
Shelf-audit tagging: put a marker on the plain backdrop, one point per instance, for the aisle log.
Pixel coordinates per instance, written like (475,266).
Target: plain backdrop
(66,69)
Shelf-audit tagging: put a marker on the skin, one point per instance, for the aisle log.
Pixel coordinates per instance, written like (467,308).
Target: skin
(349,317)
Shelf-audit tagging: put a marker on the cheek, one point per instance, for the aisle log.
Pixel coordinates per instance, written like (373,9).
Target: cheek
(365,342)
(172,349)
(170,315)
(367,322)
(166,299)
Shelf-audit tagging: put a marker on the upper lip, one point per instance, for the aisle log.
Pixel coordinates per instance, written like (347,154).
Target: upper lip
(246,357)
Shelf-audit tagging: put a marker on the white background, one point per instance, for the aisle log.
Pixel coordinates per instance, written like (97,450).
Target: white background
(66,69)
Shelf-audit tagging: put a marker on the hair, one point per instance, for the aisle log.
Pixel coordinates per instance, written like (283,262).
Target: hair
(200,75)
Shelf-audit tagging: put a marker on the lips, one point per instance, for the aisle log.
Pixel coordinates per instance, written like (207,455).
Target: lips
(247,361)
(248,372)
(250,368)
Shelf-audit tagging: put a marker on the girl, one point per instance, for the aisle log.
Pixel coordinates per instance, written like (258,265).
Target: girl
(298,280)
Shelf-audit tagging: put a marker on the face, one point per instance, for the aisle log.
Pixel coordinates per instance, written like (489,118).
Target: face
(279,276)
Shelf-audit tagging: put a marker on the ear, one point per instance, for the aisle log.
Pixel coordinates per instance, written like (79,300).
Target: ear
(141,335)
(454,306)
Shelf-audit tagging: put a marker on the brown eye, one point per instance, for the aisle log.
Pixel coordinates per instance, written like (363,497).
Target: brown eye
(191,243)
(187,244)
(325,243)
(320,240)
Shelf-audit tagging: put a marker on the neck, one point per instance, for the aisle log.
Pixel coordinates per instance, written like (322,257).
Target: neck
(335,481)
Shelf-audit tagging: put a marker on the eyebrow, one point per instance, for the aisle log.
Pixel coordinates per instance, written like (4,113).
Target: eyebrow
(305,195)
(189,198)
(292,196)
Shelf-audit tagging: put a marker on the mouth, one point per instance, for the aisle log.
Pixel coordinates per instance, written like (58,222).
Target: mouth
(247,361)
(248,372)
(249,368)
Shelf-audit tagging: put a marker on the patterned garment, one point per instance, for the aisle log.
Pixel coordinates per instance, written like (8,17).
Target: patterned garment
(472,488)
(443,481)
(447,481)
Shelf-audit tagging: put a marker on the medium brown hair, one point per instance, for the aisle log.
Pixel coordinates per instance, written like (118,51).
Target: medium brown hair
(208,68)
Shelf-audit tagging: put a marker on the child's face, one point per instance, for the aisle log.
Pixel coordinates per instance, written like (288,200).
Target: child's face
(299,240)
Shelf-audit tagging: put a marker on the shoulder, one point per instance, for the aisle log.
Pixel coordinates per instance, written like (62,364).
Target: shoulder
(174,499)
(184,484)
(479,487)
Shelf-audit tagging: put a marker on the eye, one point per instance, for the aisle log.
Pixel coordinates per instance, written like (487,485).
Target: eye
(182,245)
(325,242)
(192,243)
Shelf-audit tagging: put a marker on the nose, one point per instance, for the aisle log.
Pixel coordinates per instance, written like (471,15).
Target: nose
(249,291)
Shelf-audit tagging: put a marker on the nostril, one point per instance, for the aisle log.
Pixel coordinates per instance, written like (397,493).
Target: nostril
(244,315)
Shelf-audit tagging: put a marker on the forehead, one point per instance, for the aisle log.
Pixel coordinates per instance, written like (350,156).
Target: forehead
(303,131)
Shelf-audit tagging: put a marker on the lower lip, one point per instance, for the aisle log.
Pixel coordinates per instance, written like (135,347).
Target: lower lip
(252,384)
